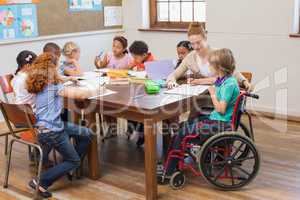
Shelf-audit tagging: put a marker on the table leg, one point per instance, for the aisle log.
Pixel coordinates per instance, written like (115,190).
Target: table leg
(150,159)
(93,154)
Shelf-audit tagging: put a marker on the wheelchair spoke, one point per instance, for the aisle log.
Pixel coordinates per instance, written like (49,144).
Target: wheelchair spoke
(231,174)
(218,154)
(244,159)
(216,163)
(242,170)
(238,150)
(219,173)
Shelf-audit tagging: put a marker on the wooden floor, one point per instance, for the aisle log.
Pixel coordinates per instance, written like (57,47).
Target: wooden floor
(123,177)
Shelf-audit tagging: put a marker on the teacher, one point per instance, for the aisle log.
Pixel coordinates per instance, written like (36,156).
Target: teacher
(197,61)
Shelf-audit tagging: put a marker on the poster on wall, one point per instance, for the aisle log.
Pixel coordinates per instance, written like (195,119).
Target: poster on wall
(18,21)
(6,2)
(113,16)
(85,5)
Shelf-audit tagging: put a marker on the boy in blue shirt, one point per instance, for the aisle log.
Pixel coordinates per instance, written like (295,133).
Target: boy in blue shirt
(223,94)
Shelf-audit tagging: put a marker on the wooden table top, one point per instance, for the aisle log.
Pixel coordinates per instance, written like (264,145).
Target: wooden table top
(133,98)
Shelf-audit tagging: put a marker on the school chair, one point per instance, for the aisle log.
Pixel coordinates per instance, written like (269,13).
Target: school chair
(8,95)
(16,114)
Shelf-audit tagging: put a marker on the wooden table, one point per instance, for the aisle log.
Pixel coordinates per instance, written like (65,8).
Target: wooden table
(131,102)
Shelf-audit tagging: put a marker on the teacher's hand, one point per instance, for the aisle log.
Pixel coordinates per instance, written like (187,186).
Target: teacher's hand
(171,84)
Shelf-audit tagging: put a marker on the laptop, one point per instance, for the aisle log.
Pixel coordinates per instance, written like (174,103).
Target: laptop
(159,70)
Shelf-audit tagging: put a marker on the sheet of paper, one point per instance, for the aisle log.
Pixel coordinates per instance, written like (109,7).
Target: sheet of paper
(188,90)
(137,74)
(113,16)
(106,93)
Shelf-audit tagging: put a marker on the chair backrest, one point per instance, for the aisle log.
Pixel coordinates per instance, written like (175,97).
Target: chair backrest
(247,75)
(20,115)
(5,85)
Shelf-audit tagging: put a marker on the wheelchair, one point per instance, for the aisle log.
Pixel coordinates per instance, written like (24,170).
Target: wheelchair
(227,160)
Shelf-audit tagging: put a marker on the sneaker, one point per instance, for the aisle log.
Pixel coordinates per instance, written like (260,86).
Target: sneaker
(42,191)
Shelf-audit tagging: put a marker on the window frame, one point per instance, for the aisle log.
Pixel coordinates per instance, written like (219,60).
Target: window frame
(155,24)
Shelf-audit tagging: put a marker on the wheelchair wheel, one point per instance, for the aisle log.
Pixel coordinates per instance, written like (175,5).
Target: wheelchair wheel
(177,180)
(221,164)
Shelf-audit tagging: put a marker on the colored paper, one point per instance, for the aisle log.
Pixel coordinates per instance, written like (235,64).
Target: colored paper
(85,5)
(6,2)
(18,21)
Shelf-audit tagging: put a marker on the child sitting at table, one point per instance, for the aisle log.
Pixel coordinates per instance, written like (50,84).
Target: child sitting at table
(140,53)
(24,61)
(54,48)
(44,81)
(71,66)
(183,49)
(223,94)
(119,58)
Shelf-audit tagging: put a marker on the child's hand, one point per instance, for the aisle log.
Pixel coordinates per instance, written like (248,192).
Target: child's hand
(73,79)
(212,90)
(74,62)
(193,81)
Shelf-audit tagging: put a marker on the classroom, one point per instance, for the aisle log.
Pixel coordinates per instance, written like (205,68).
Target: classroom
(149,99)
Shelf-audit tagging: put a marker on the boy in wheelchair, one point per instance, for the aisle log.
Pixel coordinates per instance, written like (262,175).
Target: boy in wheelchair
(224,95)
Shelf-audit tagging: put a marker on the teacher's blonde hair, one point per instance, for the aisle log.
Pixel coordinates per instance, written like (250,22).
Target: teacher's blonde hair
(196,28)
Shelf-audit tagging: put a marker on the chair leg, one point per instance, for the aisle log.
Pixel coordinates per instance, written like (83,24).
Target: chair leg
(5,185)
(35,158)
(39,171)
(54,157)
(30,154)
(6,145)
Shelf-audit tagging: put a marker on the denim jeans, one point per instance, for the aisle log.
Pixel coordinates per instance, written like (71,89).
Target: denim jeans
(60,141)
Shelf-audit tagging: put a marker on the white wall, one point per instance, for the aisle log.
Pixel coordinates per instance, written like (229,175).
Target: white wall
(90,46)
(258,33)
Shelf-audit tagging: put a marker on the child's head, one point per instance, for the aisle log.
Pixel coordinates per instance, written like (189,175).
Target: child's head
(52,48)
(71,51)
(119,45)
(42,73)
(25,59)
(183,49)
(222,62)
(197,36)
(139,51)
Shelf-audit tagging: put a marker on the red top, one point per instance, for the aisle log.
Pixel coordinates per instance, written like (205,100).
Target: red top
(141,66)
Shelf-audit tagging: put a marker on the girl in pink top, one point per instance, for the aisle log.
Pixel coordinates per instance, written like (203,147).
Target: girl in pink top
(119,58)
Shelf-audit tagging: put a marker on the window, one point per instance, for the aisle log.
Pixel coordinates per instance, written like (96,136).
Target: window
(176,14)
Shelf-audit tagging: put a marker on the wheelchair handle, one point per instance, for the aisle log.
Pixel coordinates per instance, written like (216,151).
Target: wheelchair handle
(255,96)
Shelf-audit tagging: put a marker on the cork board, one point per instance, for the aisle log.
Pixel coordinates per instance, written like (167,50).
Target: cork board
(54,18)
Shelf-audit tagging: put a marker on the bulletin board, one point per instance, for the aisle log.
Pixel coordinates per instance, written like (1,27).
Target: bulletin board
(32,18)
(54,18)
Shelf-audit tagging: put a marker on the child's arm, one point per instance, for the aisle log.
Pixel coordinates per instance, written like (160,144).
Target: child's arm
(78,93)
(101,63)
(74,72)
(220,106)
(201,81)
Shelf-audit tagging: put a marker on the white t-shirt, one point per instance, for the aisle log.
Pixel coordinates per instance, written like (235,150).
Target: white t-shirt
(22,96)
(204,67)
